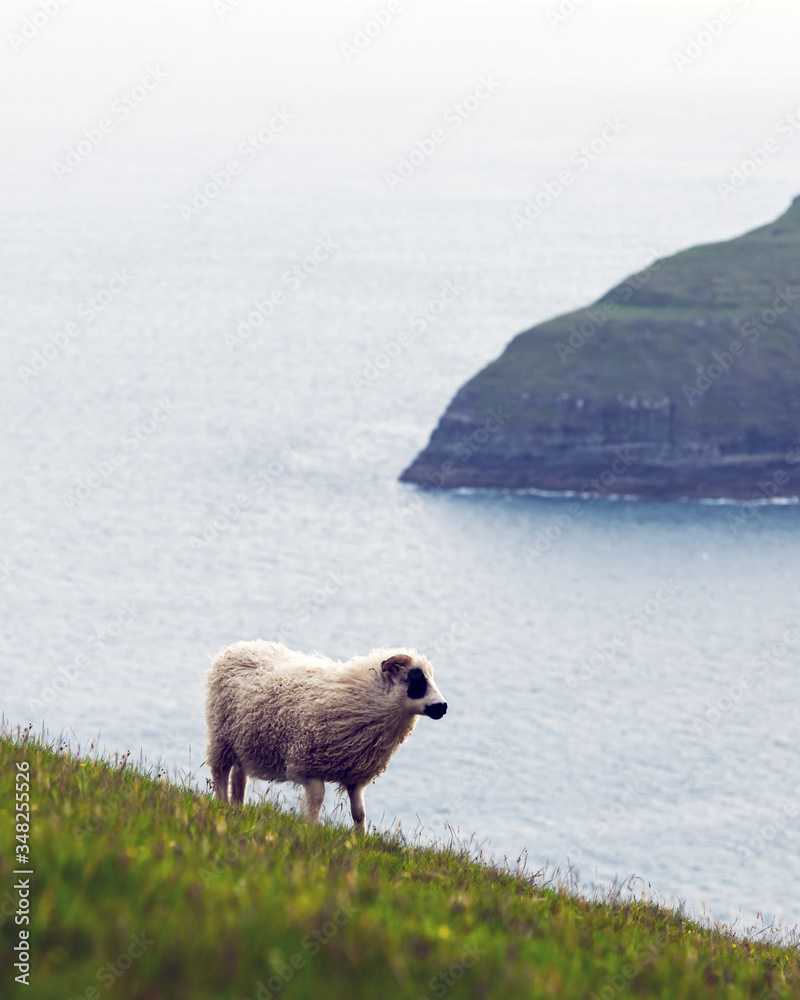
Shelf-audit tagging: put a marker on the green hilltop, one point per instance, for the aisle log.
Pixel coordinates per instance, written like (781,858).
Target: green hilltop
(683,380)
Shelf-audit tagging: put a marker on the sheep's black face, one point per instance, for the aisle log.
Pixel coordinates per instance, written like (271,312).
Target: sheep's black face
(417,683)
(399,671)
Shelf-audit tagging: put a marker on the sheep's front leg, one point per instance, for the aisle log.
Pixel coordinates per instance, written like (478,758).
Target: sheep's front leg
(356,793)
(315,793)
(238,784)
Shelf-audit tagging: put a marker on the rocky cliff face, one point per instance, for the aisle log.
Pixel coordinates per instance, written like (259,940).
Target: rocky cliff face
(683,381)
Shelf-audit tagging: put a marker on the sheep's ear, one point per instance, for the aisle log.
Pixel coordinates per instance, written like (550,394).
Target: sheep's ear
(393,663)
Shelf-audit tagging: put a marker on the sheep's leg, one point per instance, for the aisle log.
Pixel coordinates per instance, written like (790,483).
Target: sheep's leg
(315,793)
(356,793)
(238,784)
(219,776)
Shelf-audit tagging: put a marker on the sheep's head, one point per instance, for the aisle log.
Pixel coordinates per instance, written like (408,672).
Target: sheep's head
(413,677)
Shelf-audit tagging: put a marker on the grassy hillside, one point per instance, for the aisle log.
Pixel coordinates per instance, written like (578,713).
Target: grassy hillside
(144,890)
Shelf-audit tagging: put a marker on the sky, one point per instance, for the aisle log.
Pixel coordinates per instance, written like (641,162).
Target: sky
(61,71)
(421,43)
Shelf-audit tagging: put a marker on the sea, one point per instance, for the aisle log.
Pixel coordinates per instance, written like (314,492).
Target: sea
(248,253)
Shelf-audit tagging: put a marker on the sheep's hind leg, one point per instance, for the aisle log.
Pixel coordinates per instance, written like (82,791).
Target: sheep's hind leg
(315,793)
(238,784)
(219,775)
(356,793)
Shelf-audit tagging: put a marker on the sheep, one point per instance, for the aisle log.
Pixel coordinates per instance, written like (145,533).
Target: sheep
(281,715)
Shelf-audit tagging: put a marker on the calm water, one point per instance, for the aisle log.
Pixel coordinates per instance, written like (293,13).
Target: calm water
(179,476)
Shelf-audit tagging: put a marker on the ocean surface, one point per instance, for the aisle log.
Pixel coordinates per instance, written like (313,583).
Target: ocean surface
(230,324)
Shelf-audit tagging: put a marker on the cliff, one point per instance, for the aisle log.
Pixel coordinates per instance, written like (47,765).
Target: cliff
(683,381)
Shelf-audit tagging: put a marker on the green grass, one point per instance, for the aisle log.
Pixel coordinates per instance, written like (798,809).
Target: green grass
(189,898)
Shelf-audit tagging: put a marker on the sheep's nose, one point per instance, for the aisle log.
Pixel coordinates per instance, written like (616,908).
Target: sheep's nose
(437,710)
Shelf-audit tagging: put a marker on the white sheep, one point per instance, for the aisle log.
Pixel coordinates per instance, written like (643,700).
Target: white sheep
(281,715)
